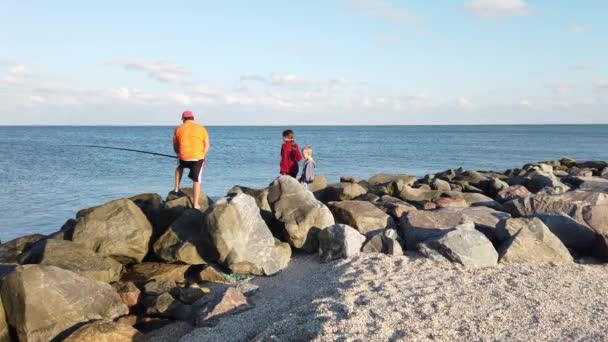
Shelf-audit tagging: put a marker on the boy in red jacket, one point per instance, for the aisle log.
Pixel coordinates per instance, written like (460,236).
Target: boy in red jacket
(290,155)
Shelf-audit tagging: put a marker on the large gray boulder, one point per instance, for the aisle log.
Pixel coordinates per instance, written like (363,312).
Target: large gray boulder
(485,219)
(574,235)
(463,245)
(421,225)
(183,240)
(339,241)
(73,257)
(45,302)
(117,229)
(530,241)
(363,216)
(242,239)
(11,251)
(300,213)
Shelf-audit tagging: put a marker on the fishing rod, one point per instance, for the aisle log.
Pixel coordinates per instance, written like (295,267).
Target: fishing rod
(126,149)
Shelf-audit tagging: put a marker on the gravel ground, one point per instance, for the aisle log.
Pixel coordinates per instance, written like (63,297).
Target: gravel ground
(374,297)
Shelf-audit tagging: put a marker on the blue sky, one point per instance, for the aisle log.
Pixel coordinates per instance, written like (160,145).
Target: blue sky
(304,62)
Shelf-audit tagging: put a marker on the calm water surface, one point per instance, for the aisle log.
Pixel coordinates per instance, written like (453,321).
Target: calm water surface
(44,182)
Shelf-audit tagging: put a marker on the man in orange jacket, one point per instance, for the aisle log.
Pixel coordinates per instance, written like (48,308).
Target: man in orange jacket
(191,143)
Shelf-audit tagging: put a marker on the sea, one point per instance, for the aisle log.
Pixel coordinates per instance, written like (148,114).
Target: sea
(46,177)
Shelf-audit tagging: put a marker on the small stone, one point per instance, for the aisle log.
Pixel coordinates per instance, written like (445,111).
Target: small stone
(228,302)
(211,274)
(128,292)
(156,288)
(248,289)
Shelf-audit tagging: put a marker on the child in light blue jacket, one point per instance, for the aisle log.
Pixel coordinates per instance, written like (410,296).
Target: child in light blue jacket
(308,172)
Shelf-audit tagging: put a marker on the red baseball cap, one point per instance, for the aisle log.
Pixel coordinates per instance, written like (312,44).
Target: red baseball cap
(187,115)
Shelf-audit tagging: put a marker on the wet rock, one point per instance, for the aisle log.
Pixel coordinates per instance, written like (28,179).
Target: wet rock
(241,239)
(105,331)
(300,213)
(531,241)
(339,241)
(128,292)
(117,229)
(73,257)
(463,245)
(363,216)
(419,226)
(43,302)
(184,240)
(10,251)
(149,271)
(228,302)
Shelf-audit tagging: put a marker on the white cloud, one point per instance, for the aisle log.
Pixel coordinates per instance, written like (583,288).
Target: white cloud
(383,9)
(601,84)
(579,28)
(498,8)
(161,71)
(464,103)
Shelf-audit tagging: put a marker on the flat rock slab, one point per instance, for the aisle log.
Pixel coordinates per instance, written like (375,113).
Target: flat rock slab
(44,302)
(149,271)
(363,216)
(419,226)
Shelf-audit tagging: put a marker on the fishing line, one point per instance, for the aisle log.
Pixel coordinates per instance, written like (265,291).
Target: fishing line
(126,149)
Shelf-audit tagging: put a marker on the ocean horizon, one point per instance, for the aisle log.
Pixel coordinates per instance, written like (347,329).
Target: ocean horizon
(46,179)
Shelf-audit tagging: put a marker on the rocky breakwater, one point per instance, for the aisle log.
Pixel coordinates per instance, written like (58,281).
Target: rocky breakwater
(131,266)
